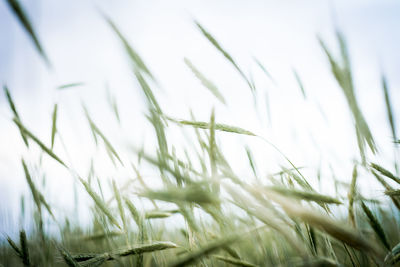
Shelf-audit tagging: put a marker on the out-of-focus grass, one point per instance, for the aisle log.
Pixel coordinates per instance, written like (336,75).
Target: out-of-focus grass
(280,220)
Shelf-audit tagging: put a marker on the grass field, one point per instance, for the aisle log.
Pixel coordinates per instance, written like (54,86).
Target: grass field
(201,212)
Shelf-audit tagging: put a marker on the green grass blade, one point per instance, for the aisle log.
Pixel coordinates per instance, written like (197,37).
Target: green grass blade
(203,251)
(213,154)
(251,161)
(300,83)
(91,258)
(68,258)
(351,196)
(159,127)
(99,236)
(385,172)
(205,82)
(374,223)
(139,221)
(24,249)
(341,70)
(136,60)
(305,195)
(23,252)
(37,196)
(84,256)
(162,165)
(388,188)
(32,187)
(148,92)
(100,203)
(14,246)
(218,126)
(97,261)
(23,18)
(214,42)
(194,193)
(389,109)
(157,214)
(70,85)
(334,228)
(54,125)
(361,146)
(37,141)
(113,104)
(261,66)
(120,206)
(392,192)
(135,213)
(14,111)
(156,246)
(96,131)
(46,205)
(10,101)
(300,180)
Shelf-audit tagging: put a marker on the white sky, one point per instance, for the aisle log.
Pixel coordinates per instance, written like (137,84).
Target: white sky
(281,34)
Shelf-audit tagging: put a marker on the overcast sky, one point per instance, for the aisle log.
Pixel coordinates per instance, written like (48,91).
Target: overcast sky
(280,34)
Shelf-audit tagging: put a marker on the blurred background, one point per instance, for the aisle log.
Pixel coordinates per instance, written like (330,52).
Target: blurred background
(315,130)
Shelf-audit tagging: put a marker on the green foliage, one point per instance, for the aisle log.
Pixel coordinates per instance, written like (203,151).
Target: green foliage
(204,81)
(341,70)
(215,43)
(248,218)
(23,18)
